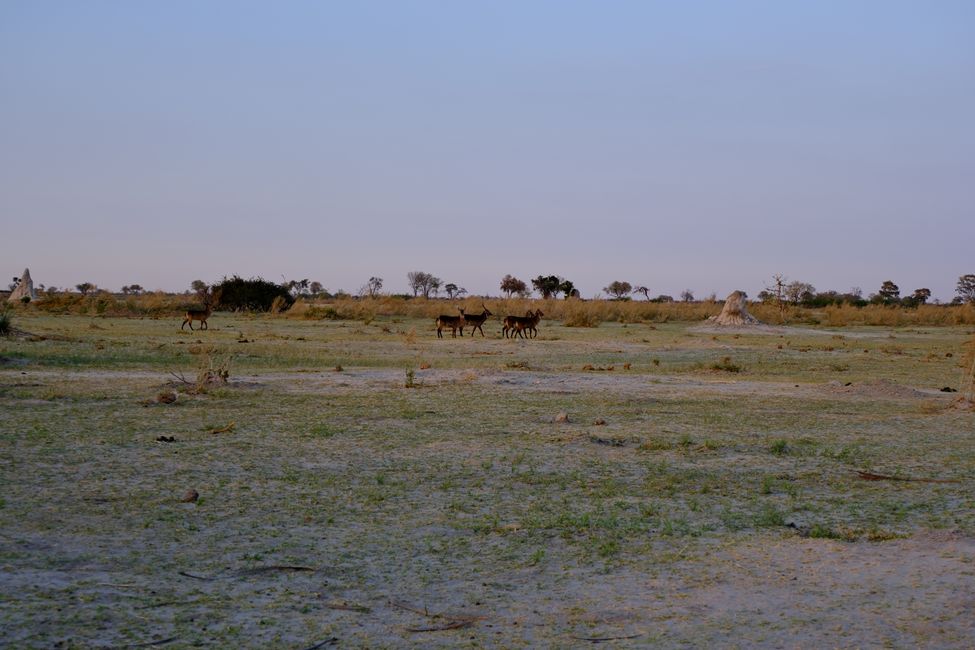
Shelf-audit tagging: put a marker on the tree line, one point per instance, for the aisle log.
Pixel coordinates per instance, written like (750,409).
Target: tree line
(257,294)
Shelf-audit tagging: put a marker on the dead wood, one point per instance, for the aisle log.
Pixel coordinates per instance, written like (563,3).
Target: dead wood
(272,568)
(148,644)
(451,625)
(870,476)
(601,639)
(362,609)
(253,571)
(322,644)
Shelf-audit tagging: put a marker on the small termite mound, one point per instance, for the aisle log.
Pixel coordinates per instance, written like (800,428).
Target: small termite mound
(735,312)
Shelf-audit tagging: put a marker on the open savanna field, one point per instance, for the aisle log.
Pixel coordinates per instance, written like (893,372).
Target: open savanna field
(363,484)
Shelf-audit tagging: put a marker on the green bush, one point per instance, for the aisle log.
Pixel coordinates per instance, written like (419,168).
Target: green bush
(256,294)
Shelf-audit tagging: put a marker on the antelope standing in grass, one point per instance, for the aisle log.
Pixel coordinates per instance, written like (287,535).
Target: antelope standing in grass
(452,322)
(516,325)
(195,313)
(476,320)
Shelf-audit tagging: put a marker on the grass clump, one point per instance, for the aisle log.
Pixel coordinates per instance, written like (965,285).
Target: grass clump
(6,318)
(779,447)
(726,365)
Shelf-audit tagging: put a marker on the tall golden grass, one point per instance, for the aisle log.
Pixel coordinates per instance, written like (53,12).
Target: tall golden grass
(572,312)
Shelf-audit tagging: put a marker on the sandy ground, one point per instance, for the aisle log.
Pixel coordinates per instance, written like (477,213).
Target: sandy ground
(766,589)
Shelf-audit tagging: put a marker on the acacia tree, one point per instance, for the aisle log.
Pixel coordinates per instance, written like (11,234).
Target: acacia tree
(919,297)
(798,292)
(453,291)
(133,289)
(199,287)
(425,284)
(372,287)
(511,284)
(316,288)
(298,287)
(85,288)
(966,288)
(547,285)
(568,289)
(618,289)
(687,295)
(889,293)
(642,289)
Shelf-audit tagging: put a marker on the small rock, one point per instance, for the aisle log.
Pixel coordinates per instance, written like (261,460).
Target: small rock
(562,417)
(166,439)
(949,389)
(598,422)
(190,496)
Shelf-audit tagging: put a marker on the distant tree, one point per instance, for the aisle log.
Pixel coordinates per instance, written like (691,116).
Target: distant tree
(775,292)
(644,290)
(85,288)
(372,287)
(567,289)
(425,284)
(966,288)
(511,284)
(200,288)
(889,293)
(316,288)
(453,291)
(618,289)
(920,296)
(297,287)
(547,285)
(663,298)
(132,289)
(687,295)
(799,292)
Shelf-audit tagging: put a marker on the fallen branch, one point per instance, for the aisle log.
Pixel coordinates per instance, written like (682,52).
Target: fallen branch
(349,608)
(273,567)
(451,622)
(226,429)
(148,644)
(450,625)
(870,476)
(601,639)
(179,377)
(249,572)
(190,575)
(324,643)
(403,606)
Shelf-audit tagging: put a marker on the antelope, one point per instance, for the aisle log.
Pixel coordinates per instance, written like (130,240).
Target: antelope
(195,313)
(453,322)
(516,325)
(476,320)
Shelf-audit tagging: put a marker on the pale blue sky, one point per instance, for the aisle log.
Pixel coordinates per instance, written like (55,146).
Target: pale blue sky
(701,145)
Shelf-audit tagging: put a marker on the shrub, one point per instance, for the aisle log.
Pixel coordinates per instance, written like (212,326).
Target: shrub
(256,294)
(6,318)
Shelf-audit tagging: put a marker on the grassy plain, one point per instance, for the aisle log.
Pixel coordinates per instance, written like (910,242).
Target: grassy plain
(382,488)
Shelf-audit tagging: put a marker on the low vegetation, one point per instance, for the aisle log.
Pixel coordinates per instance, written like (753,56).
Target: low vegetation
(282,480)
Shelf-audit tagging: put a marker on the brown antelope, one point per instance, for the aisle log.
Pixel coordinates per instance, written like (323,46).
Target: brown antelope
(476,320)
(195,313)
(453,322)
(516,325)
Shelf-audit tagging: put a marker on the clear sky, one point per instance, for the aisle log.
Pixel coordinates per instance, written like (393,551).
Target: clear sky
(699,145)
